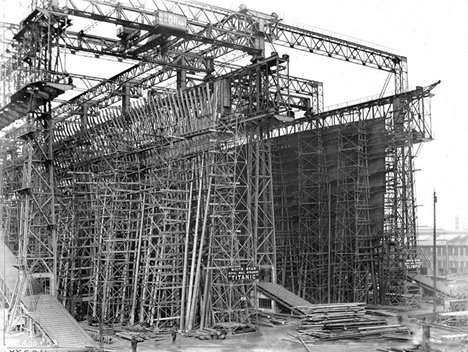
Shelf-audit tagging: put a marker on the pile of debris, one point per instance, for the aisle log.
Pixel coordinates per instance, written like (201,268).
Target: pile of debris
(449,321)
(208,334)
(107,334)
(103,334)
(458,320)
(329,322)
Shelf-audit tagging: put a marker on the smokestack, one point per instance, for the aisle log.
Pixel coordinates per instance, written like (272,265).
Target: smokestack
(457,223)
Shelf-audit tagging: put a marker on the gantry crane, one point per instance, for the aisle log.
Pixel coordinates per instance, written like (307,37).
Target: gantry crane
(190,61)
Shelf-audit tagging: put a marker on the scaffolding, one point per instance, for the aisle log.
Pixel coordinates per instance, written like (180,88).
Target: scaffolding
(164,205)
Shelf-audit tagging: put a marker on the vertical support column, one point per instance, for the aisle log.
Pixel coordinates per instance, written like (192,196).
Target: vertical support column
(364,268)
(232,244)
(37,237)
(313,216)
(181,79)
(405,217)
(401,74)
(260,40)
(162,247)
(10,181)
(49,164)
(344,262)
(399,225)
(352,253)
(125,97)
(261,189)
(83,242)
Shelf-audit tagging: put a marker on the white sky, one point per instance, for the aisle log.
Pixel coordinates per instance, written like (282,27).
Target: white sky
(432,34)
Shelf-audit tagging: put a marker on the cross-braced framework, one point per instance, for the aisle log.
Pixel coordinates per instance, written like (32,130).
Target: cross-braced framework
(79,248)
(231,242)
(162,243)
(10,181)
(400,214)
(352,251)
(313,211)
(261,190)
(141,195)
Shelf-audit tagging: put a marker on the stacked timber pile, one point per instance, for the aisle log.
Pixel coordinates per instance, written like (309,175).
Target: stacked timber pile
(329,322)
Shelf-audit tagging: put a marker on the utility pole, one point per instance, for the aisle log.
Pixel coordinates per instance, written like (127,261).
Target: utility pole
(4,310)
(434,258)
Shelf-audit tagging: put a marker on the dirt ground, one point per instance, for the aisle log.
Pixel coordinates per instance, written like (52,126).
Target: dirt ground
(275,339)
(278,339)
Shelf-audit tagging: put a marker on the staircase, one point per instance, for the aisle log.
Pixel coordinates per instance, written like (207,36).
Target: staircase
(45,310)
(55,322)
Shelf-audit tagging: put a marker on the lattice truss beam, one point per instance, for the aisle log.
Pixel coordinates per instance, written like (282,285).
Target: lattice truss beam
(207,30)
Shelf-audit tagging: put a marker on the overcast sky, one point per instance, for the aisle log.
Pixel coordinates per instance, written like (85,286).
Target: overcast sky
(433,35)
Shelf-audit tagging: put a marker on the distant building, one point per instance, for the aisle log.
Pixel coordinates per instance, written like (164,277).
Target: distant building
(451,250)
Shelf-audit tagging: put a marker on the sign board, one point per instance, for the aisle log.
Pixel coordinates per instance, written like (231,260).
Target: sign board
(413,263)
(171,21)
(243,273)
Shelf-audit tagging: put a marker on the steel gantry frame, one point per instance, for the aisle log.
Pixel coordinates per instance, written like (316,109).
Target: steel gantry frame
(160,191)
(34,164)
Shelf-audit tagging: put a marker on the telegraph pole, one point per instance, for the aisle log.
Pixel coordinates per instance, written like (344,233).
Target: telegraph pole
(434,258)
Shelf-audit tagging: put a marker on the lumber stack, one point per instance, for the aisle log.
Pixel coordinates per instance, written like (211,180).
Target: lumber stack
(336,311)
(332,322)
